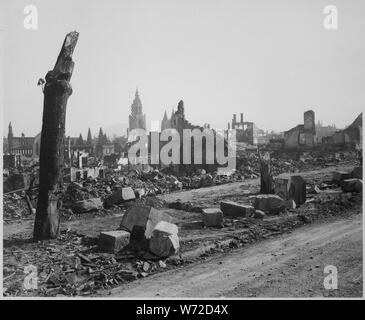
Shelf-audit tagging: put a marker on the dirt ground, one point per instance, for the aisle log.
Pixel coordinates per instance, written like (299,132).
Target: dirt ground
(281,255)
(290,265)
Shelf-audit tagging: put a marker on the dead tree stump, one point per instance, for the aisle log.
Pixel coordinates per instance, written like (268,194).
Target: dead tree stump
(266,180)
(56,93)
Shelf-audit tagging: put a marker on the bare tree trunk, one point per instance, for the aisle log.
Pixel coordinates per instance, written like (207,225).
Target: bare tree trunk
(266,180)
(56,93)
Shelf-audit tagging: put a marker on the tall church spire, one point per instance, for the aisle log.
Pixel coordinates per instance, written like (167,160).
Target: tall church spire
(89,140)
(137,120)
(10,137)
(165,116)
(137,104)
(101,137)
(10,132)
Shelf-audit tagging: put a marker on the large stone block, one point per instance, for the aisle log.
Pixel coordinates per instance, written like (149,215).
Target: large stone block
(164,240)
(113,241)
(212,217)
(297,189)
(351,185)
(357,173)
(339,176)
(144,216)
(138,241)
(120,196)
(269,203)
(235,210)
(281,186)
(87,205)
(291,187)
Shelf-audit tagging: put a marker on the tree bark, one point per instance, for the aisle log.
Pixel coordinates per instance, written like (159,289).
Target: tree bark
(56,93)
(266,180)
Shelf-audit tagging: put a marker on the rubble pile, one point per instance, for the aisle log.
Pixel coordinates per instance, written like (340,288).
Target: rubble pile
(155,182)
(75,264)
(71,265)
(335,204)
(14,207)
(248,163)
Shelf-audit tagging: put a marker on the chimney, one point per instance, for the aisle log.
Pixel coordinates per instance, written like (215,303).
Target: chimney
(241,117)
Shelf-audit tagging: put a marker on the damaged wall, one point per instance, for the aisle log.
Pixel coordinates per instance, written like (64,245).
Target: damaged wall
(350,136)
(303,134)
(246,131)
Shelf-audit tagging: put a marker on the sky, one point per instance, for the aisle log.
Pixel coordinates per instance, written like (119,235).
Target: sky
(270,60)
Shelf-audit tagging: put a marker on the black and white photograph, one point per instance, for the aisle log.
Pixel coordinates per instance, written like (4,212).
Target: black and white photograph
(182,150)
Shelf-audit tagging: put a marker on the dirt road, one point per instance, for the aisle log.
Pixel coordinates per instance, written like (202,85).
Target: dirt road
(290,265)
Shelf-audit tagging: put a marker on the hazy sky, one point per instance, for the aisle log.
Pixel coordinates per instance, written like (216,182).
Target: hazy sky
(271,60)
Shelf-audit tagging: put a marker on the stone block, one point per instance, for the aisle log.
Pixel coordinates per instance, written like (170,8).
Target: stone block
(291,187)
(297,189)
(235,210)
(144,216)
(120,196)
(269,203)
(351,185)
(212,217)
(339,176)
(356,173)
(113,241)
(281,186)
(164,240)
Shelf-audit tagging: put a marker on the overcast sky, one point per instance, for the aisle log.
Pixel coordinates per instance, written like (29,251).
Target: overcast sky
(271,60)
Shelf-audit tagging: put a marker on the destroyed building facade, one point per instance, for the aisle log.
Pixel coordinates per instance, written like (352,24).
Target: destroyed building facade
(177,120)
(246,131)
(308,135)
(303,134)
(23,146)
(323,132)
(351,136)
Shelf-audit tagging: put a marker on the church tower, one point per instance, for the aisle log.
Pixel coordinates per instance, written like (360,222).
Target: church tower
(137,120)
(165,124)
(10,137)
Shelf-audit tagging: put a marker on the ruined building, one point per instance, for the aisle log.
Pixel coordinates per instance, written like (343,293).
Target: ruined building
(27,147)
(165,123)
(246,132)
(323,131)
(103,146)
(177,120)
(303,134)
(350,136)
(137,120)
